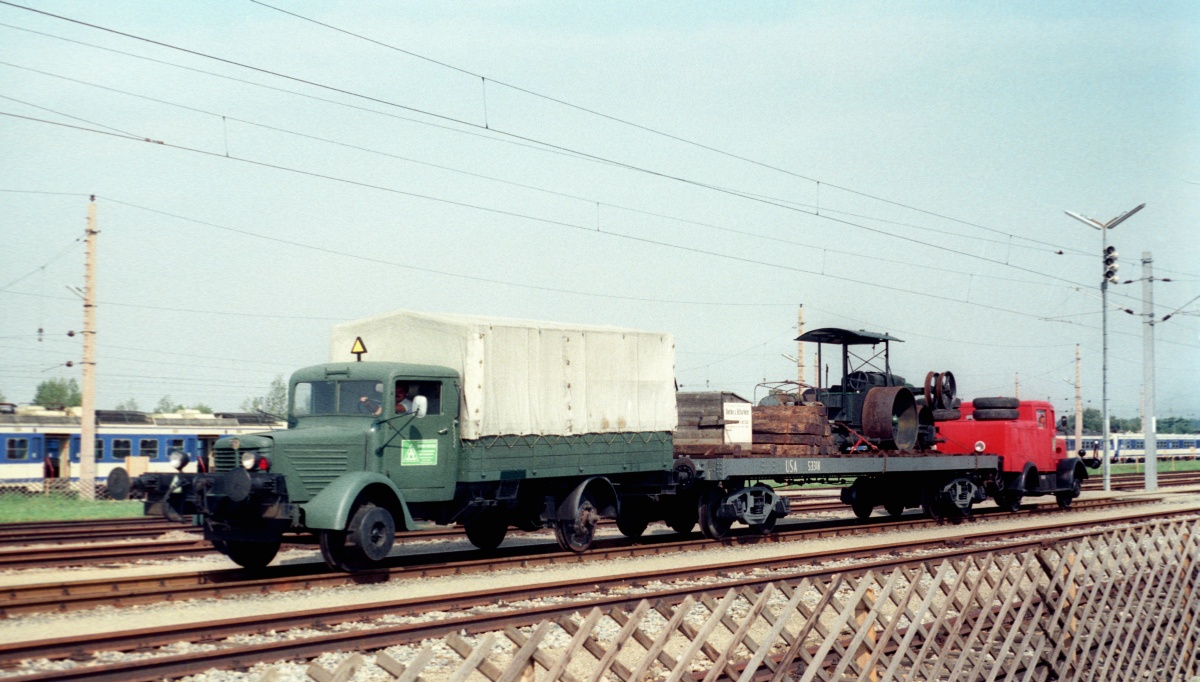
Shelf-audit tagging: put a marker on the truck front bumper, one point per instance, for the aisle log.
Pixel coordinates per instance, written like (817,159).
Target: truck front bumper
(231,505)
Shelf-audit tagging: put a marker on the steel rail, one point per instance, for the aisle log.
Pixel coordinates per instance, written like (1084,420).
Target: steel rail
(172,665)
(142,590)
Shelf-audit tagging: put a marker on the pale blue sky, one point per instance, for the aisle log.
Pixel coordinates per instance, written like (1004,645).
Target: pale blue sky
(969,127)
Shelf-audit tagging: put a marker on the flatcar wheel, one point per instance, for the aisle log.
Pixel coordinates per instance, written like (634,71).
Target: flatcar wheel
(894,509)
(486,530)
(633,517)
(766,526)
(712,526)
(251,555)
(576,535)
(933,508)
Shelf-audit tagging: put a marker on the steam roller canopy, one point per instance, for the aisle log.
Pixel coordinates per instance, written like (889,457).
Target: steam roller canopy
(889,415)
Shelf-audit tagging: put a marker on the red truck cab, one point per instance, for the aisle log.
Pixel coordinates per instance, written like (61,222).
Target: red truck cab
(1023,434)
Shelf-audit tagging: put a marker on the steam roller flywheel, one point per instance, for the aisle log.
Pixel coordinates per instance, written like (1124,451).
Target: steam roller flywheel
(889,415)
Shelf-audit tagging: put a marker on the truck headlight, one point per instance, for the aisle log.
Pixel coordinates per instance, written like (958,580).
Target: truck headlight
(252,461)
(979,446)
(178,459)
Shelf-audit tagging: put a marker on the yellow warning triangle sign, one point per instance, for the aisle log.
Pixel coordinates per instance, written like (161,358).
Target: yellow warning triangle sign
(359,347)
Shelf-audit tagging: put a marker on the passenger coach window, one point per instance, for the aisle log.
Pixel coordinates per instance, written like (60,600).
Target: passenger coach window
(148,448)
(17,448)
(122,448)
(99,448)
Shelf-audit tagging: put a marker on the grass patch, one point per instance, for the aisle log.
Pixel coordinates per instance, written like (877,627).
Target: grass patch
(18,508)
(1164,467)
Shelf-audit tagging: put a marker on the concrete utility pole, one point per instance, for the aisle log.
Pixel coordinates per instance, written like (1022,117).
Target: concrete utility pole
(1149,421)
(1110,275)
(87,421)
(800,348)
(1078,402)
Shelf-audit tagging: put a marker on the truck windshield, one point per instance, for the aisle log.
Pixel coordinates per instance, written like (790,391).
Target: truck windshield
(337,397)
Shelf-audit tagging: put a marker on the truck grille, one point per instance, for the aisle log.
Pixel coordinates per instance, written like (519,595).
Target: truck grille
(226,459)
(317,466)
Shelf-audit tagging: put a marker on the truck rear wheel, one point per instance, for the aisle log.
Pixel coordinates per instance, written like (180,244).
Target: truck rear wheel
(252,555)
(1065,498)
(486,530)
(634,516)
(576,534)
(1009,500)
(680,513)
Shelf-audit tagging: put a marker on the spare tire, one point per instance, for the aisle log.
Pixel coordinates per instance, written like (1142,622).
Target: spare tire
(946,415)
(996,403)
(992,415)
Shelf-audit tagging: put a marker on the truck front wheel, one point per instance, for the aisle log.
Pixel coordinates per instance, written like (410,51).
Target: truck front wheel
(367,540)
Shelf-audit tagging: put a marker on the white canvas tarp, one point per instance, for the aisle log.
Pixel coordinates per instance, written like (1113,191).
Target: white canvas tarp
(523,377)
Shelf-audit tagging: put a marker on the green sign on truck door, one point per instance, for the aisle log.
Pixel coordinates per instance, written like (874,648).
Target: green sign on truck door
(419,453)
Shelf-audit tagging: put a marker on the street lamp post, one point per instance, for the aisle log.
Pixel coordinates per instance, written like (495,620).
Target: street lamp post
(1109,275)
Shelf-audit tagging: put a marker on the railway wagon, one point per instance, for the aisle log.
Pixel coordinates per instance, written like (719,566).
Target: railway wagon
(40,444)
(486,422)
(890,443)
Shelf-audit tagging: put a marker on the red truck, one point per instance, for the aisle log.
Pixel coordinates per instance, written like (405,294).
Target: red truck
(1022,432)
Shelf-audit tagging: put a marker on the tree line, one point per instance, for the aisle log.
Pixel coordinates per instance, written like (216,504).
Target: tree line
(1093,424)
(63,393)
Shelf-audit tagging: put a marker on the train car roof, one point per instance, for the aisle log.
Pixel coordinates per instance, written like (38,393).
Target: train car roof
(845,337)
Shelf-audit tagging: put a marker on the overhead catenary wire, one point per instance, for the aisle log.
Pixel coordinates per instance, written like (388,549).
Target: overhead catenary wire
(514,214)
(848,223)
(541,145)
(589,200)
(493,128)
(643,127)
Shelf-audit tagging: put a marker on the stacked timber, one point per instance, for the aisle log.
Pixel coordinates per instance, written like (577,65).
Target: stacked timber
(700,427)
(792,431)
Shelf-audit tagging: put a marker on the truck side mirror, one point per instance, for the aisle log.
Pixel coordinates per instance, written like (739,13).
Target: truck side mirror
(420,406)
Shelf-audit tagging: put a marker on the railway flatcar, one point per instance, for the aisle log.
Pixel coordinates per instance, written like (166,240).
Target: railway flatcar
(890,443)
(39,444)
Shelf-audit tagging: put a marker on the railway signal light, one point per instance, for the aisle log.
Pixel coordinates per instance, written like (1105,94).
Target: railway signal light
(1110,264)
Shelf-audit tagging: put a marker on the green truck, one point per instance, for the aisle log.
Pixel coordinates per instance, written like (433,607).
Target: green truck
(447,419)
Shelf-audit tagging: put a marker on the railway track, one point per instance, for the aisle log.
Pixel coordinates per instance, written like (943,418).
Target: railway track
(94,531)
(141,590)
(30,555)
(590,592)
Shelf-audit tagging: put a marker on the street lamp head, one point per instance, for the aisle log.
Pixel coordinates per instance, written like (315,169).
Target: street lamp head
(1092,222)
(1121,218)
(1085,220)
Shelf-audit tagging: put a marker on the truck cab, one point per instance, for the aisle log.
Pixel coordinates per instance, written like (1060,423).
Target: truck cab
(1023,433)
